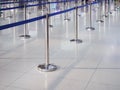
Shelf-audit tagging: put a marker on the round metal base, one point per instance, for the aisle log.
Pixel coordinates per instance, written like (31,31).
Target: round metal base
(106,16)
(76,40)
(48,68)
(29,12)
(79,15)
(90,28)
(51,26)
(109,12)
(10,16)
(25,36)
(118,7)
(67,19)
(100,21)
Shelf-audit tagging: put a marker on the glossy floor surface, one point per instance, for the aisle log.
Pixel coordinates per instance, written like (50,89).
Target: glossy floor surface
(93,64)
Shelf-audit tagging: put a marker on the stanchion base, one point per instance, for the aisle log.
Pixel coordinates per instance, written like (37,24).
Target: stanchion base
(76,40)
(25,36)
(109,12)
(90,28)
(10,16)
(100,21)
(29,12)
(106,16)
(118,7)
(67,19)
(48,68)
(79,15)
(51,26)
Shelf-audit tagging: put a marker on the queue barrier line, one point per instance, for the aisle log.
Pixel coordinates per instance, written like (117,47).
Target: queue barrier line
(60,12)
(4,9)
(21,22)
(39,18)
(31,1)
(15,2)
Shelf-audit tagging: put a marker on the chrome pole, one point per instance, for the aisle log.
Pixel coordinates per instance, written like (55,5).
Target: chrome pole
(26,32)
(99,13)
(105,9)
(90,18)
(49,11)
(0,8)
(10,13)
(66,14)
(76,26)
(109,7)
(47,67)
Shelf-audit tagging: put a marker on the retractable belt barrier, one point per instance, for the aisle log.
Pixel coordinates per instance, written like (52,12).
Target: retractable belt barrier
(3,9)
(39,18)
(15,2)
(32,1)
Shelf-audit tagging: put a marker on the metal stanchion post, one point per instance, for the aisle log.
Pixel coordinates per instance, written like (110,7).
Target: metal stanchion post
(25,36)
(0,13)
(42,8)
(10,16)
(90,18)
(49,11)
(79,3)
(105,9)
(99,13)
(68,12)
(115,5)
(47,67)
(116,2)
(65,7)
(76,27)
(109,7)
(0,9)
(14,11)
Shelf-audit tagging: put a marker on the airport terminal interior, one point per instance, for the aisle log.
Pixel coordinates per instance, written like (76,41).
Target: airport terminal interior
(59,45)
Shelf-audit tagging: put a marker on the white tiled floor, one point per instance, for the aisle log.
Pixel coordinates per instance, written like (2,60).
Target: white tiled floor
(91,65)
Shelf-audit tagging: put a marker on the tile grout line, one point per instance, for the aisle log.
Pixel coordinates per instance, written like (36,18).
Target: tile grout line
(92,75)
